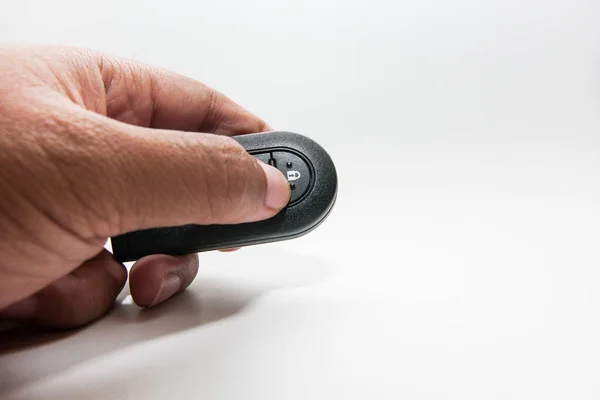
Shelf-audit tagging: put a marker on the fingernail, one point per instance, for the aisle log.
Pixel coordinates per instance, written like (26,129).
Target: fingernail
(170,285)
(278,188)
(22,310)
(230,250)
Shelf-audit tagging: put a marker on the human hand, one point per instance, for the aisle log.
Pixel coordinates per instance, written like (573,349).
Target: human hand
(92,147)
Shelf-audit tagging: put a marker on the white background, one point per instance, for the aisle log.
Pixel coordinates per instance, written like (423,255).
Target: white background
(461,260)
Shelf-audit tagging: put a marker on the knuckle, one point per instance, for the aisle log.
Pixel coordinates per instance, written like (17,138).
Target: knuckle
(226,176)
(242,184)
(213,114)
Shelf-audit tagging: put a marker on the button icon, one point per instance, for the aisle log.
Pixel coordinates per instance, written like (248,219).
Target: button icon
(293,175)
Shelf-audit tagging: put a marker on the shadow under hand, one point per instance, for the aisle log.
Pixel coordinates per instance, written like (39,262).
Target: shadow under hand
(219,292)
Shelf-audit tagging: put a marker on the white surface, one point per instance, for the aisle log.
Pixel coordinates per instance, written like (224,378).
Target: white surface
(461,260)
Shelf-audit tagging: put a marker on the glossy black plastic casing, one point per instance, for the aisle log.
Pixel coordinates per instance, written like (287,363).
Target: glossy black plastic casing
(295,220)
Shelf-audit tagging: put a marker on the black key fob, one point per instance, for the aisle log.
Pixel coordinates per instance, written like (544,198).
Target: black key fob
(313,182)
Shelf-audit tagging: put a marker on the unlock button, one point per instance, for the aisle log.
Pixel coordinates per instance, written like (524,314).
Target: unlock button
(295,170)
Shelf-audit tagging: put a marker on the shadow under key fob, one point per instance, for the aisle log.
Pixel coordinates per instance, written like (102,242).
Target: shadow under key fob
(313,181)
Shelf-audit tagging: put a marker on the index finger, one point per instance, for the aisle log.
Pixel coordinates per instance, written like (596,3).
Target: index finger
(152,97)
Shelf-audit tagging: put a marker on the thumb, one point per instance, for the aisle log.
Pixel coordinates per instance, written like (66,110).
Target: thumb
(154,178)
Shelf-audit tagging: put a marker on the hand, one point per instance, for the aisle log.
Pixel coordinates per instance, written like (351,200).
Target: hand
(92,147)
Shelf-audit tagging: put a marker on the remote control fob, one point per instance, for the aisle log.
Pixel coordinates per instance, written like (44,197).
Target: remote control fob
(313,182)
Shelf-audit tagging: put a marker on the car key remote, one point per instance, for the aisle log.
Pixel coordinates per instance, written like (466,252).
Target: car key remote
(312,177)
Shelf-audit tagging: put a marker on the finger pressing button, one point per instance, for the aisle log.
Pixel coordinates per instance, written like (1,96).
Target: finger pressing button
(295,170)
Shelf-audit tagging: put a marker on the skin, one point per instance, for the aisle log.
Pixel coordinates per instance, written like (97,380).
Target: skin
(92,146)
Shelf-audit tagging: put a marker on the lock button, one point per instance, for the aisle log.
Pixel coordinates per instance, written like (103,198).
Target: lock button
(293,168)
